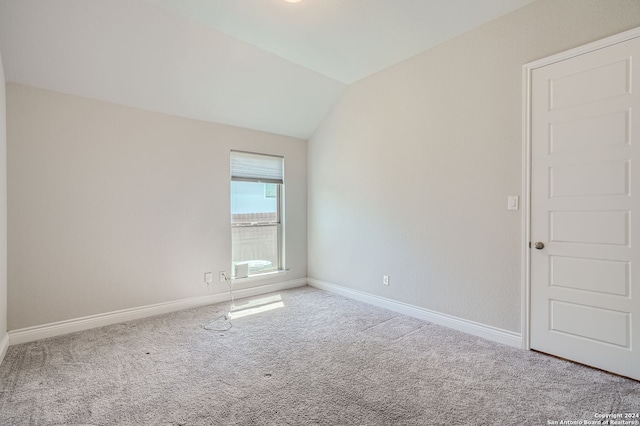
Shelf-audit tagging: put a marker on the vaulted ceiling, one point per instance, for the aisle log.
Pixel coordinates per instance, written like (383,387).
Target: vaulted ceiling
(263,64)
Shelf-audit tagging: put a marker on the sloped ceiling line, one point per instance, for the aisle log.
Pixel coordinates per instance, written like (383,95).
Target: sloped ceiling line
(262,64)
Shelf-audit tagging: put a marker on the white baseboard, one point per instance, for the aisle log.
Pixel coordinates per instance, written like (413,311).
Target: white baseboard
(31,334)
(477,329)
(4,345)
(44,331)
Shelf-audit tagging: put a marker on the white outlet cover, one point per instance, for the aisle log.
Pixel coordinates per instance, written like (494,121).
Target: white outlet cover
(513,202)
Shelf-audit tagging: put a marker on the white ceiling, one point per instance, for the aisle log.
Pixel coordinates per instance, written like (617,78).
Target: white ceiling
(345,40)
(262,64)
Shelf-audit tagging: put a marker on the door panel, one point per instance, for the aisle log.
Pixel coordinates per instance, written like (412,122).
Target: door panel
(599,178)
(591,83)
(590,132)
(589,227)
(601,276)
(600,325)
(584,301)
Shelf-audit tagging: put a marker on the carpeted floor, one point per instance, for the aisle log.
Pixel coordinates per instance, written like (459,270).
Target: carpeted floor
(298,357)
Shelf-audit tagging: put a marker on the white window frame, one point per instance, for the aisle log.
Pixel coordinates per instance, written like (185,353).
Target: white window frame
(247,167)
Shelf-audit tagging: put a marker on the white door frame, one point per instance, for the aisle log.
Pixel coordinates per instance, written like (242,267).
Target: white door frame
(527,70)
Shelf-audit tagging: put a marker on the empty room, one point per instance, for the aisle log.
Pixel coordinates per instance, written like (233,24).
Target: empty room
(330,212)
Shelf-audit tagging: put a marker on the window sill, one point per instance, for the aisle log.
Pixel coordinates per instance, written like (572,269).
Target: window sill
(259,277)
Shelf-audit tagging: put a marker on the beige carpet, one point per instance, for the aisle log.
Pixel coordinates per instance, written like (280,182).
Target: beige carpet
(299,357)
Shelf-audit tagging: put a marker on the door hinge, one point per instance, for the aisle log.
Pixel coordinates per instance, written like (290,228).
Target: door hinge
(529,244)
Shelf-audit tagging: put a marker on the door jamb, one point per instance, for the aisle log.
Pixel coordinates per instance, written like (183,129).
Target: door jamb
(527,70)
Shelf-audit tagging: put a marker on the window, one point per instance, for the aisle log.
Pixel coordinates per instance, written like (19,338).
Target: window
(257,186)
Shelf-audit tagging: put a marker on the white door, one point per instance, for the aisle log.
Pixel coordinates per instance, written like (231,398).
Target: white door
(585,183)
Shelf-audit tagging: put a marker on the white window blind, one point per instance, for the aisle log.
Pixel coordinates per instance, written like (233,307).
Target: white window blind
(251,167)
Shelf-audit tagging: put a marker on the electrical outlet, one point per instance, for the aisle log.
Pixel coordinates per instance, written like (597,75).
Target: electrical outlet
(385,279)
(222,276)
(208,277)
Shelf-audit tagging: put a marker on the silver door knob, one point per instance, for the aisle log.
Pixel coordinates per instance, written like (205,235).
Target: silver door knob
(539,245)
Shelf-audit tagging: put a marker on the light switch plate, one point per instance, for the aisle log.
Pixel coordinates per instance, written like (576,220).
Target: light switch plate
(513,202)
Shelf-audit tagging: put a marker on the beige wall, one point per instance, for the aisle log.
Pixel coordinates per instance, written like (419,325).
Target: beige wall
(409,175)
(112,207)
(3,208)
